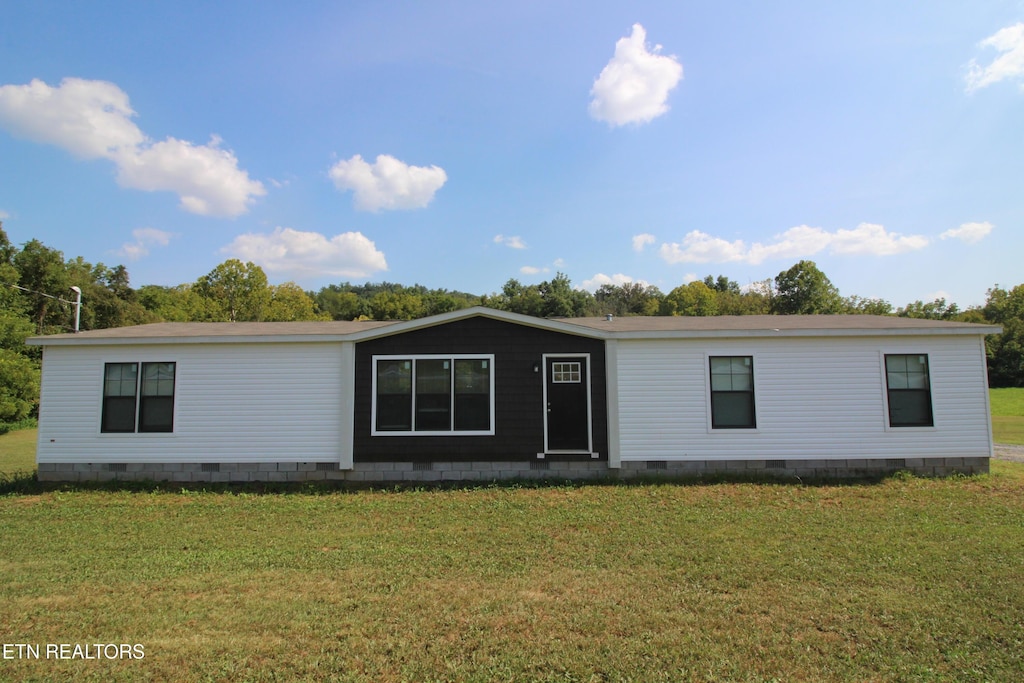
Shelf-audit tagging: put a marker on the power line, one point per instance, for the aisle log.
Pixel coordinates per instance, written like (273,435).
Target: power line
(32,291)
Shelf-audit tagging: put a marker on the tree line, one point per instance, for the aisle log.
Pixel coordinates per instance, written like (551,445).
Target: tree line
(36,299)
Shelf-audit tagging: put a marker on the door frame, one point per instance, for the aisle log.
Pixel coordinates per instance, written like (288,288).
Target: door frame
(544,403)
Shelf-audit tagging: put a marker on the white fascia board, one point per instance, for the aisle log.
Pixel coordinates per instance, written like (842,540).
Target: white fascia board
(780,334)
(215,339)
(474,312)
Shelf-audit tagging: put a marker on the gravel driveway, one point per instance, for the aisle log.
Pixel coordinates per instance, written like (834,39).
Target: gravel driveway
(1005,451)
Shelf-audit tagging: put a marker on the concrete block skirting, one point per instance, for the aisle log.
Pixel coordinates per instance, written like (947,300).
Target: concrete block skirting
(392,472)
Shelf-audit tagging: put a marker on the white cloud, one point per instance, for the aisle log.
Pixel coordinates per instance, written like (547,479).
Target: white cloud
(798,242)
(634,85)
(90,119)
(533,270)
(700,247)
(869,239)
(970,233)
(802,240)
(93,120)
(4,215)
(388,183)
(1009,64)
(558,263)
(599,279)
(309,254)
(144,239)
(642,240)
(206,177)
(512,242)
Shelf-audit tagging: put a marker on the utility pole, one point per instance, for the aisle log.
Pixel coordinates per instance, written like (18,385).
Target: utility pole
(78,307)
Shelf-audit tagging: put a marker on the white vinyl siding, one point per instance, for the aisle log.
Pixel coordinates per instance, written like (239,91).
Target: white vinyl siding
(233,403)
(817,398)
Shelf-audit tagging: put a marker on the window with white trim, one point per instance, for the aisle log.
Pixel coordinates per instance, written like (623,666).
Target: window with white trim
(732,392)
(433,394)
(138,397)
(909,390)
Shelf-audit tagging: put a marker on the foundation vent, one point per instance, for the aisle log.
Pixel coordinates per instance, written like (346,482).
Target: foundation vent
(210,467)
(775,464)
(327,467)
(657,465)
(895,462)
(116,467)
(422,466)
(540,465)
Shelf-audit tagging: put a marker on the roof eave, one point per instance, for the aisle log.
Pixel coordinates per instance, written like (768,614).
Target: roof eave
(219,339)
(781,333)
(480,311)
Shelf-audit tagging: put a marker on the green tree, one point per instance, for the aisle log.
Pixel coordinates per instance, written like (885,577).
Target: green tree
(860,305)
(179,304)
(443,302)
(11,299)
(107,298)
(722,284)
(19,386)
(1006,351)
(42,272)
(630,298)
(340,302)
(518,298)
(933,310)
(805,289)
(695,298)
(387,305)
(239,290)
(560,300)
(289,302)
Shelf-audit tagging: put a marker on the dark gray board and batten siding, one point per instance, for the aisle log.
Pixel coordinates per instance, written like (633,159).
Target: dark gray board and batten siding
(518,392)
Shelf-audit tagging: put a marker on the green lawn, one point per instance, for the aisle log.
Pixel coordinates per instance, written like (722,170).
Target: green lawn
(910,579)
(18,452)
(1007,415)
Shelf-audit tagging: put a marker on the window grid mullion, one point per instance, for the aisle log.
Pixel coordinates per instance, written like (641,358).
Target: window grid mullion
(451,394)
(138,395)
(412,387)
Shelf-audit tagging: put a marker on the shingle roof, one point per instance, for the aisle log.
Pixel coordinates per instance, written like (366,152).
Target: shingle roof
(188,330)
(750,323)
(618,327)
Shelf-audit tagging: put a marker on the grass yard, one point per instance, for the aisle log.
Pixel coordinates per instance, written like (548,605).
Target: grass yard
(910,579)
(1007,415)
(18,452)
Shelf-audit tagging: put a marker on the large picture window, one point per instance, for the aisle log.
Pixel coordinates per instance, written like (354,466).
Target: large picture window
(732,392)
(433,395)
(909,390)
(138,397)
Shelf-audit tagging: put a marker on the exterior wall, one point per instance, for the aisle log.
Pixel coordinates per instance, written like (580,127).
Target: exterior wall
(815,399)
(302,411)
(233,403)
(519,403)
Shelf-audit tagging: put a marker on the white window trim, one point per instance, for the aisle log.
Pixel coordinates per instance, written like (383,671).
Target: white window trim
(915,351)
(138,396)
(707,393)
(590,407)
(430,356)
(578,371)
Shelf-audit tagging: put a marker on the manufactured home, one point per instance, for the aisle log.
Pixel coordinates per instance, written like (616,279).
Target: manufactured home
(480,394)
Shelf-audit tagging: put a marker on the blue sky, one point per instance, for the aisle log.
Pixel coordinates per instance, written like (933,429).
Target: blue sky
(460,144)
